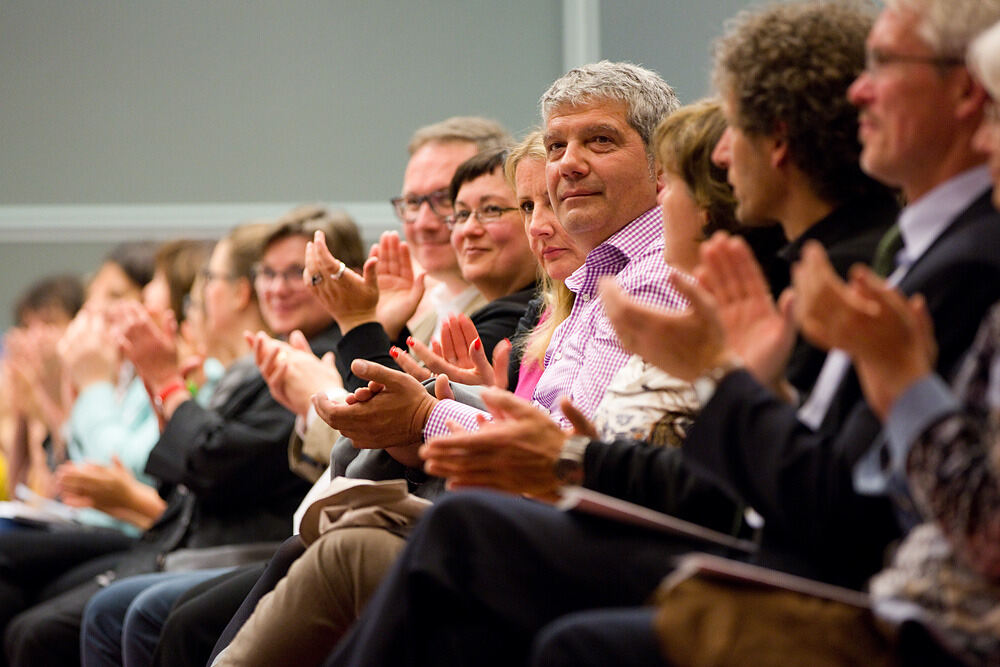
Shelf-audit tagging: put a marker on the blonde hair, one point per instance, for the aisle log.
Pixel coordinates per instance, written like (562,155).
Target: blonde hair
(557,300)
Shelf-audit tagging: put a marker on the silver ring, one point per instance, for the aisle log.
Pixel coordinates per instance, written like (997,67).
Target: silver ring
(339,272)
(316,279)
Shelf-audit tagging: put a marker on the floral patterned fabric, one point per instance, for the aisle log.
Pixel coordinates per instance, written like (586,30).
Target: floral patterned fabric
(950,566)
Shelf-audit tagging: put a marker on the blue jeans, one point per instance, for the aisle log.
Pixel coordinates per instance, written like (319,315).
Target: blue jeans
(122,623)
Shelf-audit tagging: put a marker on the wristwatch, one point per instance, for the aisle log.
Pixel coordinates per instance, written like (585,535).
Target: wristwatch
(705,384)
(569,465)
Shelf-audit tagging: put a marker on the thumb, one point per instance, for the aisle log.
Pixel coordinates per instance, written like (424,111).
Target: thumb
(329,358)
(369,273)
(501,361)
(369,370)
(442,388)
(418,285)
(580,423)
(298,340)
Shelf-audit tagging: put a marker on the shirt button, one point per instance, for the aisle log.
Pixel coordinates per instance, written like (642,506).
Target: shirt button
(585,297)
(557,356)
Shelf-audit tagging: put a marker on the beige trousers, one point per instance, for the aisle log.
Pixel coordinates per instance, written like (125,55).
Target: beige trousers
(307,613)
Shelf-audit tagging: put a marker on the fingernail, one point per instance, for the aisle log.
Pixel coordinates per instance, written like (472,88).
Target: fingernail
(409,341)
(394,352)
(478,344)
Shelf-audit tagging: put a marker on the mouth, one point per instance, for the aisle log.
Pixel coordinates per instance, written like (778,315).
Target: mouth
(551,253)
(474,251)
(576,194)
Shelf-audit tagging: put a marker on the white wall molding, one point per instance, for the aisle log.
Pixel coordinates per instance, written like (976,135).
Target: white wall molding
(114,222)
(581,32)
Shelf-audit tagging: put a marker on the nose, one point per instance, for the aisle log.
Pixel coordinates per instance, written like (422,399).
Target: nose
(573,161)
(542,220)
(427,218)
(722,153)
(859,92)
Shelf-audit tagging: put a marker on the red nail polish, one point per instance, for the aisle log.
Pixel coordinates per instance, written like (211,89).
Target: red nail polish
(394,352)
(478,343)
(409,341)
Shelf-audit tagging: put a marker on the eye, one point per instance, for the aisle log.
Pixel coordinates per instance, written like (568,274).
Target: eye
(461,217)
(527,207)
(553,148)
(492,211)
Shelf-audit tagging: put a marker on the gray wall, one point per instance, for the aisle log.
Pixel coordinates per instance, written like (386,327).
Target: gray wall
(123,120)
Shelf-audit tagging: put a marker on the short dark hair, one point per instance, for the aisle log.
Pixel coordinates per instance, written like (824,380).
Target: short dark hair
(479,164)
(137,259)
(180,261)
(61,292)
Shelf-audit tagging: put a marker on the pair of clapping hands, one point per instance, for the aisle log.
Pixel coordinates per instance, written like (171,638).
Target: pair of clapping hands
(732,316)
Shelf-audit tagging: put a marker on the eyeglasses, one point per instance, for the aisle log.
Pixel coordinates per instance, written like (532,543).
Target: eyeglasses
(484,214)
(265,275)
(208,276)
(408,207)
(876,60)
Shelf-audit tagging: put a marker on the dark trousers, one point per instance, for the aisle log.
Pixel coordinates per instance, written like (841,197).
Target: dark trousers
(206,618)
(37,566)
(484,572)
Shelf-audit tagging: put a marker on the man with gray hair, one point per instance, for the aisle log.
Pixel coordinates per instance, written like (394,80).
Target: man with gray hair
(460,597)
(603,184)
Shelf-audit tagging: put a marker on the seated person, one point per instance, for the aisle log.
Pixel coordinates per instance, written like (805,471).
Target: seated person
(33,379)
(226,466)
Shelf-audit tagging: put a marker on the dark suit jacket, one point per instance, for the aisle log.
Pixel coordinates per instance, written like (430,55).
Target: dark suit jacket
(753,445)
(747,444)
(228,468)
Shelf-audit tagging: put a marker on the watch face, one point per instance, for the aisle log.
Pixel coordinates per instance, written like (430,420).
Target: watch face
(569,471)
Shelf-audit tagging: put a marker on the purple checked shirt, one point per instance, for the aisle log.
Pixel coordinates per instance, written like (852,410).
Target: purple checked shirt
(585,353)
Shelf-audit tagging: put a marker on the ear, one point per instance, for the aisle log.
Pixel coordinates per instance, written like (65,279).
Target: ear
(244,293)
(661,180)
(970,96)
(777,145)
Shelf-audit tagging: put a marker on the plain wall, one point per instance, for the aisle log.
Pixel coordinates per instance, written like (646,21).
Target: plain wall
(123,120)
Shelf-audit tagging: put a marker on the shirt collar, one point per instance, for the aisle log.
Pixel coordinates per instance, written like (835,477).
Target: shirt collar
(636,239)
(923,221)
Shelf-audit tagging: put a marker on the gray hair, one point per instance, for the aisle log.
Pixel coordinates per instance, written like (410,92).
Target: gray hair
(646,95)
(949,26)
(984,59)
(483,132)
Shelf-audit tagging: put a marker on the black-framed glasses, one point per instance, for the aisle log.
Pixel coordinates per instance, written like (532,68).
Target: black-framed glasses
(484,214)
(407,207)
(265,275)
(876,60)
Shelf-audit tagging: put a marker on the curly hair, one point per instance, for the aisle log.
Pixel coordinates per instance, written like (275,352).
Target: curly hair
(786,68)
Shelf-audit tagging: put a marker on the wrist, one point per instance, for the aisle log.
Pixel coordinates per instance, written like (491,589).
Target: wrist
(705,384)
(568,468)
(348,322)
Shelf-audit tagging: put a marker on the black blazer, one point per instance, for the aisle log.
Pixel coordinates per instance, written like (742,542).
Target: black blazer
(228,468)
(753,445)
(747,444)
